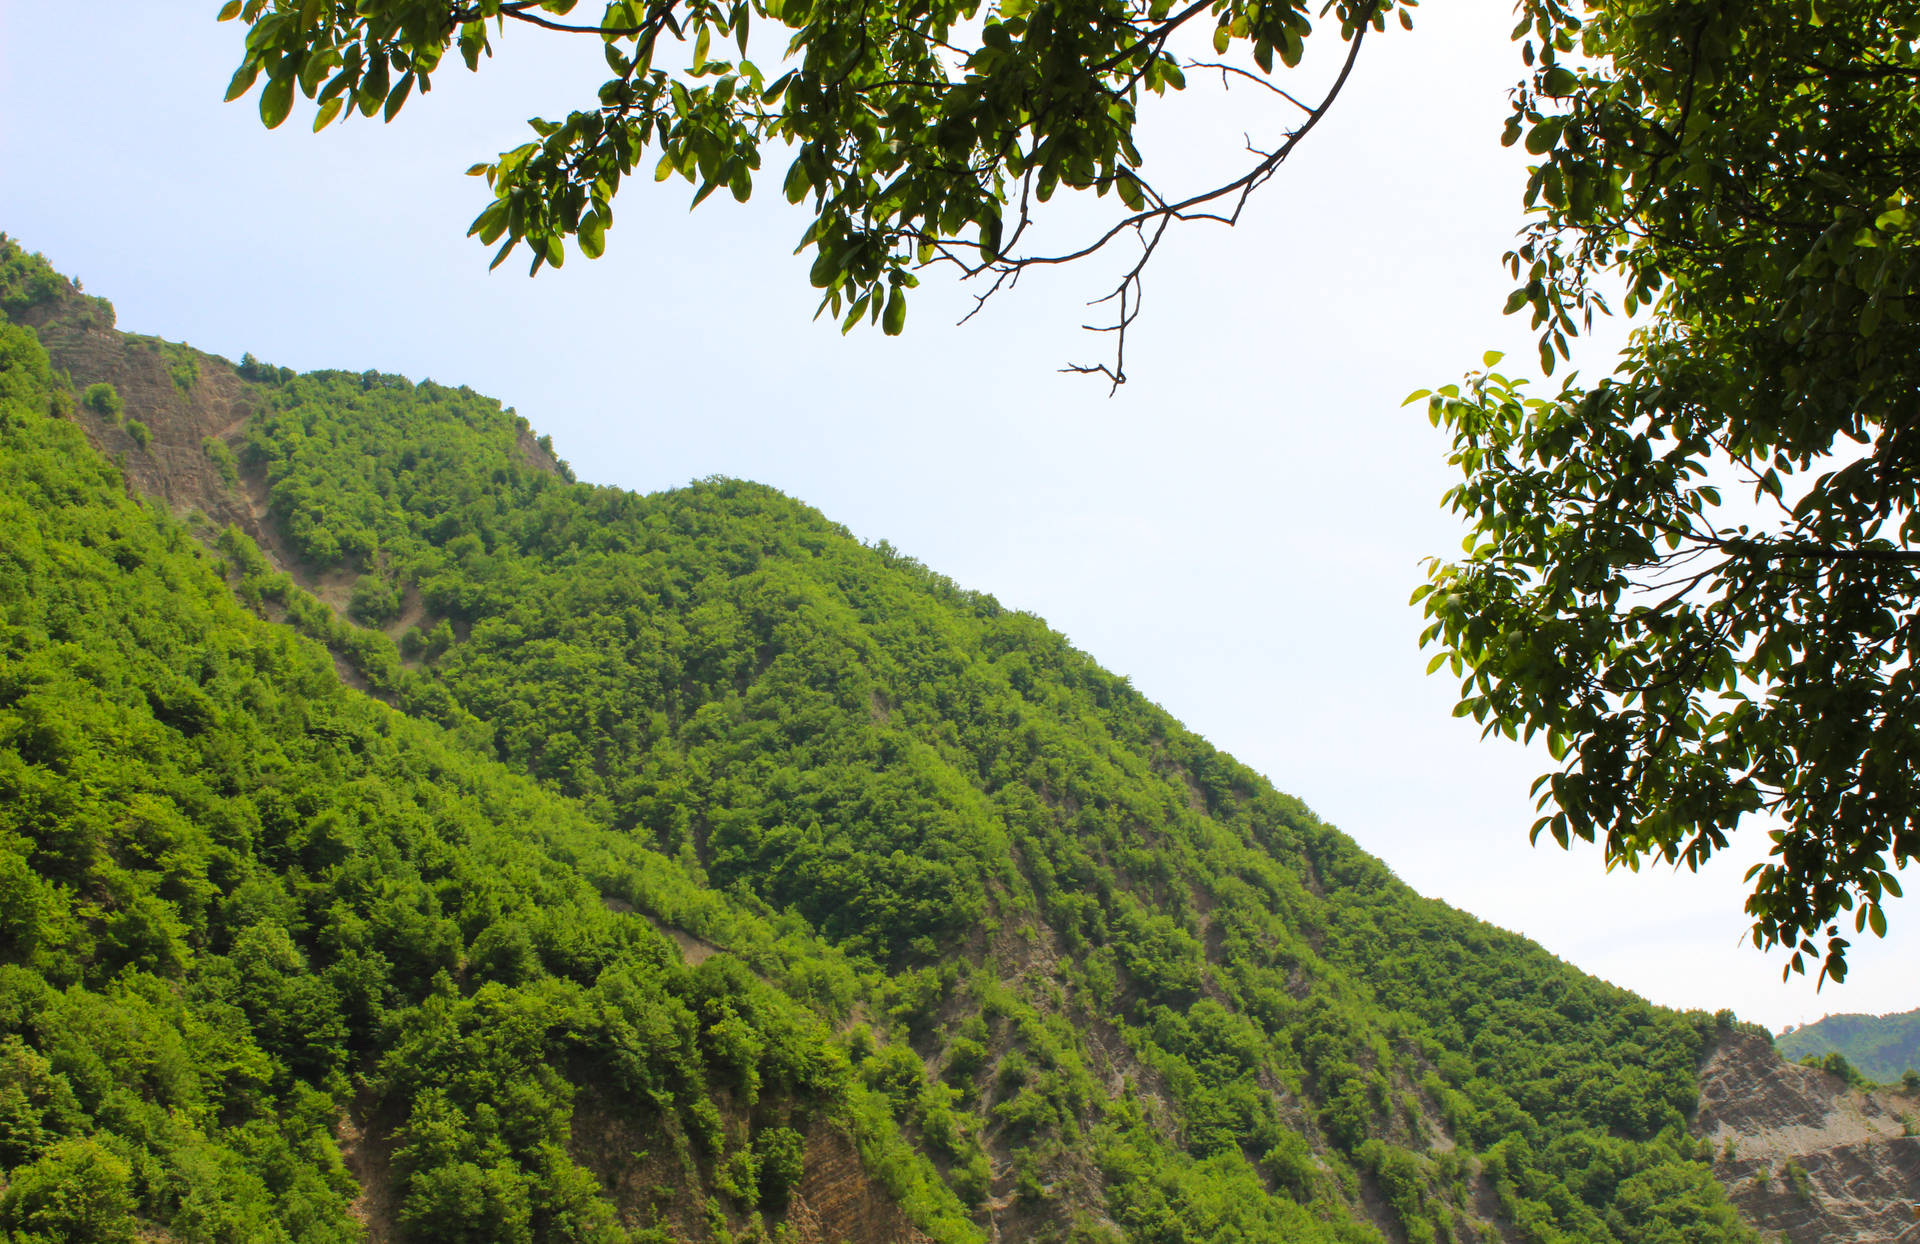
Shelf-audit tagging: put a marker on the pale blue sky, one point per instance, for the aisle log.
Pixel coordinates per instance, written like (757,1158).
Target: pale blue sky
(1238,530)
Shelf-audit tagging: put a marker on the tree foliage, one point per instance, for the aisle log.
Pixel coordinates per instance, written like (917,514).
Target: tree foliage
(1739,170)
(1744,171)
(241,904)
(1048,961)
(1885,1048)
(918,130)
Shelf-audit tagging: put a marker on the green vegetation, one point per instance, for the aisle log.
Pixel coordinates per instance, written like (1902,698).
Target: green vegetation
(1883,1048)
(1741,172)
(243,904)
(914,130)
(1745,174)
(26,279)
(1031,946)
(1797,1181)
(223,460)
(897,762)
(102,400)
(183,367)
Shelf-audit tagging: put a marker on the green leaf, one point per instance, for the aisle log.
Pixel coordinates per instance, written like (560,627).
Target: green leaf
(1292,47)
(592,235)
(491,223)
(229,11)
(276,101)
(859,309)
(990,239)
(328,111)
(398,97)
(243,79)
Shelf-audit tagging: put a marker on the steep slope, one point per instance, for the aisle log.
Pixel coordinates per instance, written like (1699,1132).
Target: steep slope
(1110,983)
(1806,1154)
(1882,1048)
(1138,994)
(279,963)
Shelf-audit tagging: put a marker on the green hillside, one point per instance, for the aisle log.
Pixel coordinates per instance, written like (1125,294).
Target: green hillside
(1054,966)
(1882,1048)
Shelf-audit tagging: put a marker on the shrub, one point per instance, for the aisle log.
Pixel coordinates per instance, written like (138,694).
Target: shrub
(374,601)
(1836,1064)
(439,639)
(965,1058)
(36,1103)
(183,368)
(76,1190)
(781,1154)
(1291,1165)
(251,368)
(102,399)
(222,459)
(1910,1080)
(25,279)
(141,434)
(1797,1182)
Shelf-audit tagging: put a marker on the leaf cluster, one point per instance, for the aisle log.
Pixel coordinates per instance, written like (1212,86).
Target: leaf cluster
(917,130)
(1742,172)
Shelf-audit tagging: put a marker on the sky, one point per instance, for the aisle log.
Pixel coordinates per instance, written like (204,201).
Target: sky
(1237,530)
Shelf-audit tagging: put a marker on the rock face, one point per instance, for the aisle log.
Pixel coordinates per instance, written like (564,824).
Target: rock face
(1807,1158)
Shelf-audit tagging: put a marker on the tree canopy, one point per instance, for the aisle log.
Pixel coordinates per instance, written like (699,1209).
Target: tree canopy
(1052,966)
(1735,172)
(1745,170)
(919,131)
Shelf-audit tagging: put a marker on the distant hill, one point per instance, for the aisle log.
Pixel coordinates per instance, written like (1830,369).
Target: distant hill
(1880,1047)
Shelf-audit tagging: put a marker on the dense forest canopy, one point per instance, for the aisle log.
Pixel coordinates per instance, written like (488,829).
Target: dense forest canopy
(1740,170)
(967,906)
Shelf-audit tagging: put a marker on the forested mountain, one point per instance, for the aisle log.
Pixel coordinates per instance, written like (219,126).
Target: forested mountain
(1880,1047)
(679,867)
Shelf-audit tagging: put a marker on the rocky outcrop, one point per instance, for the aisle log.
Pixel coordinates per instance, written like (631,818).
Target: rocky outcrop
(838,1202)
(1805,1157)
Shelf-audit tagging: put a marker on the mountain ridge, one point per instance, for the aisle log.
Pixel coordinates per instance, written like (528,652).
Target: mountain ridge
(1181,1006)
(1879,1047)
